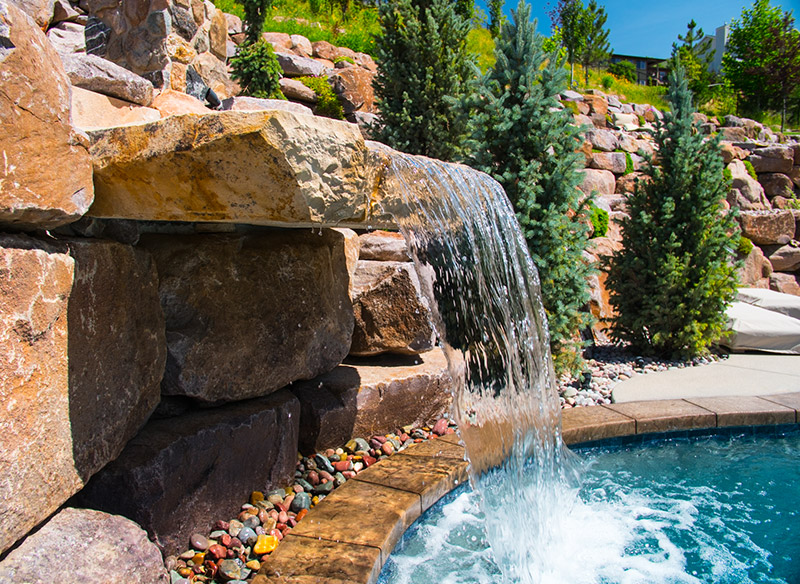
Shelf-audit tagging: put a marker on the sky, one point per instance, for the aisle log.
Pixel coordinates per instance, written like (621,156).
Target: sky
(648,29)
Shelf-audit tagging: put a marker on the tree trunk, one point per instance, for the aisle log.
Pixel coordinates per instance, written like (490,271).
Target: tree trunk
(783,115)
(571,75)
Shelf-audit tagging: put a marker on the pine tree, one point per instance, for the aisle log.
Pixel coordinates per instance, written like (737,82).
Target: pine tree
(255,13)
(521,137)
(423,64)
(595,48)
(495,16)
(695,54)
(674,277)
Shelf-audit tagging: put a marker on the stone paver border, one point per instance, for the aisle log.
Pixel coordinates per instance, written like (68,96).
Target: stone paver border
(348,537)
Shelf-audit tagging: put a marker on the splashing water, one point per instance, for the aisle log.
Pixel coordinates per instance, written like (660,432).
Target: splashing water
(476,271)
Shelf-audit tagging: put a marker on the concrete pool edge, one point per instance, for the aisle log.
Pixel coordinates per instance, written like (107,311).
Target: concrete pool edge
(349,536)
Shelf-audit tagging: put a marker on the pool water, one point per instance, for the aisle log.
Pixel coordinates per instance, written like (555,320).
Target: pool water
(716,510)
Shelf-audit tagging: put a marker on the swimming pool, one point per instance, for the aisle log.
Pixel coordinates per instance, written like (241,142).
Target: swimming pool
(721,509)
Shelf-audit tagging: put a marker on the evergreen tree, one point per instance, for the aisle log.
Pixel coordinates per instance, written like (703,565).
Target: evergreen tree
(423,65)
(520,136)
(255,13)
(595,48)
(695,54)
(674,277)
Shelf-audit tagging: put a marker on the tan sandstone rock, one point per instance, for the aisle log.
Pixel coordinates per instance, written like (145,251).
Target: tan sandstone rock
(383,246)
(268,168)
(249,314)
(175,103)
(93,111)
(46,176)
(784,258)
(755,271)
(786,283)
(36,439)
(597,181)
(365,397)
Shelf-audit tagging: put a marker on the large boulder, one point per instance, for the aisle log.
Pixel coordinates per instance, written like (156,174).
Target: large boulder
(94,111)
(597,181)
(626,184)
(175,103)
(773,159)
(255,104)
(391,315)
(36,444)
(785,283)
(297,66)
(214,73)
(784,258)
(361,398)
(89,547)
(329,52)
(41,11)
(612,161)
(47,174)
(117,349)
(755,270)
(180,474)
(751,192)
(67,38)
(604,140)
(249,314)
(776,184)
(353,86)
(267,167)
(102,76)
(768,227)
(294,89)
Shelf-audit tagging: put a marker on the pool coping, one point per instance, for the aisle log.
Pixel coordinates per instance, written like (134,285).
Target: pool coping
(348,537)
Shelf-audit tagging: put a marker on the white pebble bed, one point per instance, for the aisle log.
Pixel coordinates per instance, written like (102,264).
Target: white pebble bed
(610,365)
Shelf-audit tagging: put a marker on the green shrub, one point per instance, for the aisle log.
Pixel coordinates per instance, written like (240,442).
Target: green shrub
(607,81)
(750,170)
(327,103)
(727,175)
(744,247)
(344,59)
(623,70)
(599,219)
(572,106)
(628,163)
(642,121)
(257,70)
(255,13)
(674,277)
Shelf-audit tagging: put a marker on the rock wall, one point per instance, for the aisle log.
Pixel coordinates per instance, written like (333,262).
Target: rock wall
(160,334)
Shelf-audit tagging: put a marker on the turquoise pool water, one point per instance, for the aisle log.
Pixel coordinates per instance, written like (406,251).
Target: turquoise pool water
(712,510)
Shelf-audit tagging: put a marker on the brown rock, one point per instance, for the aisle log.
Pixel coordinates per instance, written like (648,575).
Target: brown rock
(91,547)
(39,10)
(735,198)
(612,203)
(733,134)
(46,179)
(784,258)
(218,35)
(174,103)
(243,103)
(180,51)
(796,149)
(731,152)
(786,283)
(93,111)
(280,41)
(626,184)
(234,24)
(362,398)
(352,248)
(755,270)
(391,315)
(795,176)
(263,168)
(383,246)
(365,61)
(773,159)
(329,52)
(604,140)
(102,76)
(597,181)
(612,161)
(599,120)
(353,86)
(249,314)
(36,444)
(178,474)
(770,227)
(750,189)
(301,45)
(215,74)
(117,349)
(294,89)
(597,103)
(776,184)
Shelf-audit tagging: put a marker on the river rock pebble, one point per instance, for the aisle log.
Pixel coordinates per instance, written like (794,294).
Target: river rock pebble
(233,551)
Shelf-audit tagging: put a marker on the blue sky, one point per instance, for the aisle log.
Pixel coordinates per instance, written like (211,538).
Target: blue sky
(647,28)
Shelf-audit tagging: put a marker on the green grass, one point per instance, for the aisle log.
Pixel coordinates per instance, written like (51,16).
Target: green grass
(627,91)
(354,30)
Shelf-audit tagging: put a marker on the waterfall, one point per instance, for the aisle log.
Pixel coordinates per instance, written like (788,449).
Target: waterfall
(476,271)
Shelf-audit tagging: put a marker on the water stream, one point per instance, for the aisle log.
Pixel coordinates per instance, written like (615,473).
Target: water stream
(476,271)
